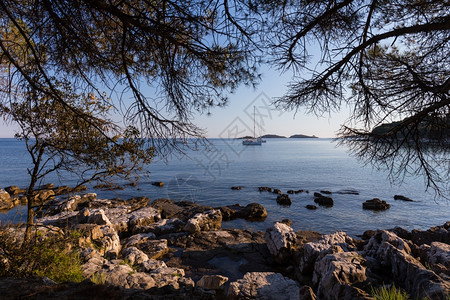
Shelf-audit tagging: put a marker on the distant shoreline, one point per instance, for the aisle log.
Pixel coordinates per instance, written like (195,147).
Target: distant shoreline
(275,136)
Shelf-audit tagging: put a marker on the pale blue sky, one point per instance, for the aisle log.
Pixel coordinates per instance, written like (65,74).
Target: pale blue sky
(235,119)
(240,109)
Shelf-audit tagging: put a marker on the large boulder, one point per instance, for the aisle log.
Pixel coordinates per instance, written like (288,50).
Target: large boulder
(281,241)
(209,220)
(324,245)
(263,285)
(394,254)
(335,274)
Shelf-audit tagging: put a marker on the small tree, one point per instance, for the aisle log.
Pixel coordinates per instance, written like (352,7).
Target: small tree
(57,139)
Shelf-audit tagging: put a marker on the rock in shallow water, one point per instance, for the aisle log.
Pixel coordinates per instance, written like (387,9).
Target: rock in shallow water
(375,204)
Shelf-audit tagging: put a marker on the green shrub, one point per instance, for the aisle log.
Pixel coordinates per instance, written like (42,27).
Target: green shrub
(52,256)
(392,293)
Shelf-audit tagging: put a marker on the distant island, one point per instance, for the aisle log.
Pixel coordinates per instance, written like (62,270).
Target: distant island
(302,136)
(275,136)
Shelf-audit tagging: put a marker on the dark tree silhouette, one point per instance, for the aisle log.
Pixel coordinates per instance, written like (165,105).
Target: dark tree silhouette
(386,60)
(190,53)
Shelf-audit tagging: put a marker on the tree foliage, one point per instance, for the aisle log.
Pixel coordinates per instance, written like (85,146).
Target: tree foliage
(169,57)
(386,60)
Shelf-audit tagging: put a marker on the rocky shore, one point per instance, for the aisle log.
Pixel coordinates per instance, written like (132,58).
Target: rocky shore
(142,249)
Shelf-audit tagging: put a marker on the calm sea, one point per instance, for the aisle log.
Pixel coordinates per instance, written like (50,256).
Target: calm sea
(207,175)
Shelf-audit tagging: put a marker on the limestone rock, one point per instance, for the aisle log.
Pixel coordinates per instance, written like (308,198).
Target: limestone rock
(335,274)
(5,200)
(71,204)
(164,276)
(93,265)
(164,226)
(110,242)
(134,255)
(151,265)
(439,253)
(263,285)
(124,276)
(212,282)
(209,220)
(118,216)
(98,217)
(313,249)
(136,239)
(393,253)
(281,241)
(155,249)
(143,216)
(146,243)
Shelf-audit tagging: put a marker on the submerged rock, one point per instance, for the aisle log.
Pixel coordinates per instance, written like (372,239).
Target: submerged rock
(284,199)
(403,198)
(375,204)
(324,201)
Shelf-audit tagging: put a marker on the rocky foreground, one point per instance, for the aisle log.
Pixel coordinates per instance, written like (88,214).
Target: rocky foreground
(139,249)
